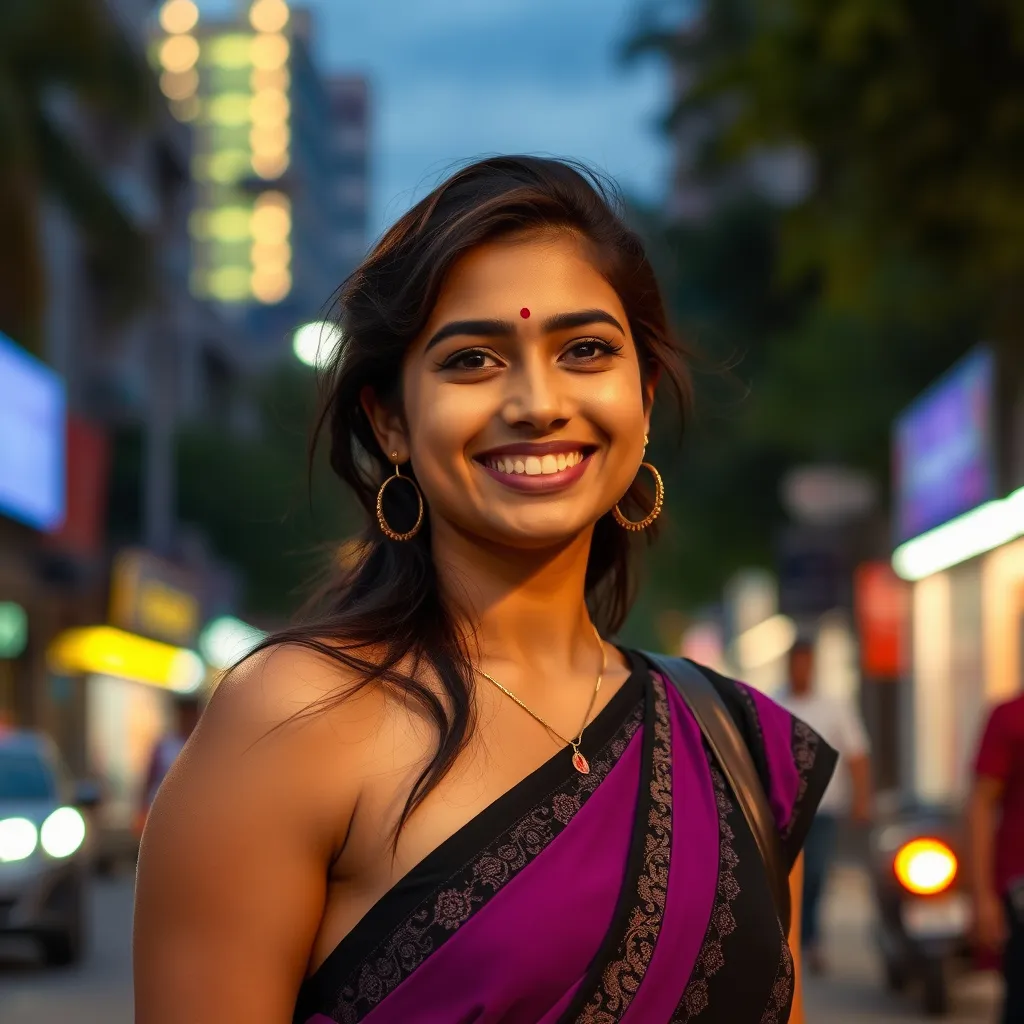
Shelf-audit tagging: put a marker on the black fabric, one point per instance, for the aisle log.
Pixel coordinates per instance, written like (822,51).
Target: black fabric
(319,991)
(733,751)
(1013,966)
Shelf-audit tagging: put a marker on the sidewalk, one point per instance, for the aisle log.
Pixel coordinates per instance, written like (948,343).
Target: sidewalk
(853,992)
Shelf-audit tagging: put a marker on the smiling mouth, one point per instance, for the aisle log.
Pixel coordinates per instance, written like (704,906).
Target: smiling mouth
(534,465)
(537,469)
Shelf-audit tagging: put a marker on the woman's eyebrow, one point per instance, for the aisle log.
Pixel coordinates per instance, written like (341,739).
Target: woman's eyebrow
(503,328)
(566,321)
(471,328)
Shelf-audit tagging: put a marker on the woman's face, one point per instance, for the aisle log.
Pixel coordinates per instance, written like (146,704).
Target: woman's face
(523,411)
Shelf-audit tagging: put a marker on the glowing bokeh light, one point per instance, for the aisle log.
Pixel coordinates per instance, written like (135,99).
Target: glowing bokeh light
(269,52)
(268,15)
(178,16)
(314,344)
(179,53)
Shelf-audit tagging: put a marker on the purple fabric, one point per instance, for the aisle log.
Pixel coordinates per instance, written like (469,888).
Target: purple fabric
(532,945)
(692,877)
(777,729)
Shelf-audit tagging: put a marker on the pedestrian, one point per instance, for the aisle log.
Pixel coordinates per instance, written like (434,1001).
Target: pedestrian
(165,753)
(447,796)
(848,794)
(996,837)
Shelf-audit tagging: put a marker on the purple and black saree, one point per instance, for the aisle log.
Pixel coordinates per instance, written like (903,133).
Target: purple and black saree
(633,894)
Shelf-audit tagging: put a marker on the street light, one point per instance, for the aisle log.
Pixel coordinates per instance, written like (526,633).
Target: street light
(315,343)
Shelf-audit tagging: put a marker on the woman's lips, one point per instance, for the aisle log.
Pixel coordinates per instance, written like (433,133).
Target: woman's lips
(538,482)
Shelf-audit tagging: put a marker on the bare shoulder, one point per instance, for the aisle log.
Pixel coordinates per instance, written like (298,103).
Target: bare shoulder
(236,852)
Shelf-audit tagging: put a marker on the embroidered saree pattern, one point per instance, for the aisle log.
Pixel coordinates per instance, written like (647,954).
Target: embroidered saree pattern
(622,977)
(466,892)
(723,923)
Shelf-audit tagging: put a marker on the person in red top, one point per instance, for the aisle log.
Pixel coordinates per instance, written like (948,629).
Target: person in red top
(996,835)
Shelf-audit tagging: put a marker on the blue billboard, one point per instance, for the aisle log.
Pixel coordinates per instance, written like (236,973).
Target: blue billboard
(944,448)
(32,439)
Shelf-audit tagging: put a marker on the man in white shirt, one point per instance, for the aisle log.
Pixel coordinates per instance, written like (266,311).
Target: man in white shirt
(849,792)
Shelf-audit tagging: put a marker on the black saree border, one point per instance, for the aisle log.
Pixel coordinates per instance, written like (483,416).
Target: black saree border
(815,763)
(457,880)
(618,969)
(739,972)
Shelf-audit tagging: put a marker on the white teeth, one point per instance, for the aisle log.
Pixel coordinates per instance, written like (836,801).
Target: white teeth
(533,465)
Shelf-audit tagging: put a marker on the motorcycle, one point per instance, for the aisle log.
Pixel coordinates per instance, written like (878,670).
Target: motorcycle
(924,907)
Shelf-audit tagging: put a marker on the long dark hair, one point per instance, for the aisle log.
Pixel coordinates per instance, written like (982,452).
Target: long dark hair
(382,615)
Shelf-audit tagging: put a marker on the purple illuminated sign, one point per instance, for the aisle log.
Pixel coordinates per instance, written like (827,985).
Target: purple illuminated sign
(943,458)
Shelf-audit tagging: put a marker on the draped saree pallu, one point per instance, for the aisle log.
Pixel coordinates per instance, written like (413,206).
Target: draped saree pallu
(635,893)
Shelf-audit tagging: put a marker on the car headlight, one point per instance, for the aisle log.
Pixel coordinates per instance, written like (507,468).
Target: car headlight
(18,839)
(63,832)
(925,866)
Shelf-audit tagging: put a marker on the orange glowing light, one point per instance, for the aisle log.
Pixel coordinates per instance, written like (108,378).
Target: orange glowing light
(925,866)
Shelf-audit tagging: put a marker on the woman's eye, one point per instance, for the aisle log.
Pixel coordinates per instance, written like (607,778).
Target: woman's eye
(473,359)
(591,349)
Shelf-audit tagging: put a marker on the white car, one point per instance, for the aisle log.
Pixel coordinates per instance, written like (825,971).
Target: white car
(43,850)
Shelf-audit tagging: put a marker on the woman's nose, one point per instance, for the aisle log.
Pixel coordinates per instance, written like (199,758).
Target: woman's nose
(536,398)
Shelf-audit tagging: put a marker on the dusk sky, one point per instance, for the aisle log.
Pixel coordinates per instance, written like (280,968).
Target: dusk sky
(455,79)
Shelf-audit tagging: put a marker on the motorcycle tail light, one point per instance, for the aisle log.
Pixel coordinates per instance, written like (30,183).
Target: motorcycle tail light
(925,866)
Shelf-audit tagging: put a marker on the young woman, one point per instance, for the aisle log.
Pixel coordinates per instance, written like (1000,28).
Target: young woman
(449,798)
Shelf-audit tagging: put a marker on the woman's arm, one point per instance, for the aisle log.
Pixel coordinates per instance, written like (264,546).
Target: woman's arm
(234,862)
(796,899)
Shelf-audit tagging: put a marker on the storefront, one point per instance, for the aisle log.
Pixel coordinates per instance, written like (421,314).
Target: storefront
(32,502)
(113,687)
(959,512)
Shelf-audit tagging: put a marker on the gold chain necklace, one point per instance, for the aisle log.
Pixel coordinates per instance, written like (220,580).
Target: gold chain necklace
(579,762)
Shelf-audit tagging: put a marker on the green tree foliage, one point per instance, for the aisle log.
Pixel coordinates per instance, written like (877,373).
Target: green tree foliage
(828,318)
(254,498)
(49,50)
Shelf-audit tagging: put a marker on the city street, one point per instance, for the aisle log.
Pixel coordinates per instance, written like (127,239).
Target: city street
(100,991)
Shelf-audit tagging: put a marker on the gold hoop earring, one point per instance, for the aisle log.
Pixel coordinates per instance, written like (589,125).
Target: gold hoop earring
(659,501)
(384,527)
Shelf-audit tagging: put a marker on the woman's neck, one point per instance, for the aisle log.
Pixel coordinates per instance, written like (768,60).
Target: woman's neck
(525,608)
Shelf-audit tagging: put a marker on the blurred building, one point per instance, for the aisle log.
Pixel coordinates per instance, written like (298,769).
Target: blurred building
(112,381)
(279,164)
(959,522)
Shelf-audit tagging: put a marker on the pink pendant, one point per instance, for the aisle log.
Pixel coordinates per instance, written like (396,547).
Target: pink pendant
(579,762)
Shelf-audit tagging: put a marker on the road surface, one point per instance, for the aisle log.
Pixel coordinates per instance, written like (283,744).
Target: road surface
(99,991)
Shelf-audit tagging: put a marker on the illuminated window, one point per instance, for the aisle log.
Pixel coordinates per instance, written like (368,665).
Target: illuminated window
(230,108)
(269,52)
(271,224)
(270,166)
(229,51)
(230,223)
(229,284)
(270,286)
(179,85)
(225,166)
(179,53)
(270,78)
(178,16)
(270,254)
(268,15)
(269,139)
(269,106)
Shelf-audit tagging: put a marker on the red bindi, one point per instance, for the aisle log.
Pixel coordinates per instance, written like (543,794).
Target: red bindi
(524,313)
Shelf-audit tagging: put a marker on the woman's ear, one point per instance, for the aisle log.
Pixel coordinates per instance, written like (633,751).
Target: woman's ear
(386,424)
(650,385)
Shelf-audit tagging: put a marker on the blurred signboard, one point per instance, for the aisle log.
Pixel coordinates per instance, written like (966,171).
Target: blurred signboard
(813,576)
(944,450)
(882,610)
(32,455)
(88,479)
(154,598)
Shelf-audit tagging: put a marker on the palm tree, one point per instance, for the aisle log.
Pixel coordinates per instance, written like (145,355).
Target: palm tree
(51,50)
